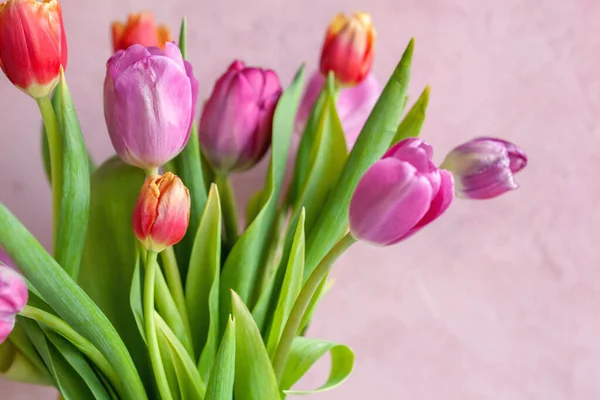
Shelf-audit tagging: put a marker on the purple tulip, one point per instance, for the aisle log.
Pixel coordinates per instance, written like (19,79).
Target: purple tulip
(484,167)
(237,120)
(149,104)
(354,104)
(399,194)
(13,297)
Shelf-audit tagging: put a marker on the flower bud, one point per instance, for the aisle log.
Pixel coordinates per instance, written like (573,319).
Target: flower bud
(162,212)
(33,45)
(348,49)
(149,102)
(399,194)
(140,28)
(484,167)
(237,120)
(13,297)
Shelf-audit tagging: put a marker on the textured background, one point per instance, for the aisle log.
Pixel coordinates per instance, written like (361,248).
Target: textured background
(497,300)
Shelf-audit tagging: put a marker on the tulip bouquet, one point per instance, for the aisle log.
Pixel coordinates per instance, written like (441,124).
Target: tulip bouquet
(154,288)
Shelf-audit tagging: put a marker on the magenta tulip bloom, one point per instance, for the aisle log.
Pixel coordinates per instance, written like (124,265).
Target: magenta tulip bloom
(354,104)
(484,167)
(237,120)
(399,194)
(13,297)
(149,104)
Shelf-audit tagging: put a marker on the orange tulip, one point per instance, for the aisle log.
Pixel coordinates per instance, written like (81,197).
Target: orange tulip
(33,45)
(139,29)
(348,49)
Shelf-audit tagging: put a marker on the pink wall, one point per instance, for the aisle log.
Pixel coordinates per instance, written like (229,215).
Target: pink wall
(497,300)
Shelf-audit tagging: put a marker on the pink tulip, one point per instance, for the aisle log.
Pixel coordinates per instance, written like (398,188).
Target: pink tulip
(354,104)
(237,120)
(13,297)
(484,167)
(399,194)
(149,104)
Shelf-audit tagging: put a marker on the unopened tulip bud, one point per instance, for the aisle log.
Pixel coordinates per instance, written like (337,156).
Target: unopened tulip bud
(149,103)
(484,167)
(13,297)
(162,212)
(348,49)
(140,28)
(399,194)
(237,120)
(33,45)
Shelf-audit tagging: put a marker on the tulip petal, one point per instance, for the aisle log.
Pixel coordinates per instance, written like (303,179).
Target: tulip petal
(13,292)
(388,202)
(418,153)
(122,59)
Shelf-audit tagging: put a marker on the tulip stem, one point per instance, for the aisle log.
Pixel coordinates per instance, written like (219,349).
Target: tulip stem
(302,302)
(55,146)
(230,219)
(149,324)
(175,286)
(84,345)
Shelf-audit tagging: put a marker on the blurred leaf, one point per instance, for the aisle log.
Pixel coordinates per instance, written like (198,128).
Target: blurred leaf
(70,302)
(254,375)
(321,291)
(109,257)
(249,253)
(253,206)
(191,384)
(75,200)
(188,167)
(136,297)
(19,338)
(305,353)
(220,386)
(373,141)
(413,121)
(15,366)
(292,284)
(202,285)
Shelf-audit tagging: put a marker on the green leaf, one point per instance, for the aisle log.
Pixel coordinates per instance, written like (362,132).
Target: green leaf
(167,358)
(249,253)
(413,121)
(253,206)
(202,285)
(16,366)
(19,338)
(305,353)
(191,384)
(318,171)
(188,167)
(79,364)
(292,284)
(373,141)
(220,386)
(321,291)
(67,380)
(109,257)
(254,375)
(75,202)
(136,297)
(69,301)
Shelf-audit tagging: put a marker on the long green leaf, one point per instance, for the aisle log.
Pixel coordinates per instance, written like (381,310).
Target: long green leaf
(413,120)
(16,366)
(220,386)
(68,382)
(189,168)
(254,375)
(75,201)
(292,284)
(69,301)
(305,353)
(202,285)
(109,257)
(20,339)
(191,384)
(79,364)
(372,142)
(248,255)
(136,297)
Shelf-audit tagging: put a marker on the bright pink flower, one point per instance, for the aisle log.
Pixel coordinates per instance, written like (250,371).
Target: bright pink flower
(399,194)
(13,297)
(484,167)
(162,212)
(149,104)
(237,120)
(354,104)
